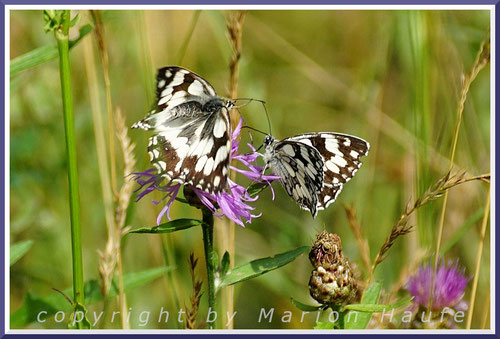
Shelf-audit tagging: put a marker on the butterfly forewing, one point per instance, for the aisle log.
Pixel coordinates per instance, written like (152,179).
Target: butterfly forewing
(341,155)
(192,143)
(179,92)
(299,167)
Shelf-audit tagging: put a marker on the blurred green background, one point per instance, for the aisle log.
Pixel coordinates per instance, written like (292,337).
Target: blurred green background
(390,77)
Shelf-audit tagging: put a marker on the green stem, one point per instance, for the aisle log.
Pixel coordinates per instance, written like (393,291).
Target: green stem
(208,241)
(62,38)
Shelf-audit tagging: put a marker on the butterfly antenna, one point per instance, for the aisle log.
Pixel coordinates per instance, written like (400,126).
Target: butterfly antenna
(253,129)
(263,104)
(267,116)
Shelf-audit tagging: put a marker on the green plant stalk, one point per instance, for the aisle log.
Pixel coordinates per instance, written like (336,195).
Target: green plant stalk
(208,242)
(62,38)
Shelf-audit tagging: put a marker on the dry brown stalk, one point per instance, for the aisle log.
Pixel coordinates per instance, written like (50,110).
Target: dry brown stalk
(126,190)
(234,23)
(101,42)
(364,248)
(235,20)
(482,59)
(475,280)
(401,227)
(191,313)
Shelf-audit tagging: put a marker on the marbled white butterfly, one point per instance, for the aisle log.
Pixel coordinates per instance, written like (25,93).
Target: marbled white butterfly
(192,140)
(313,167)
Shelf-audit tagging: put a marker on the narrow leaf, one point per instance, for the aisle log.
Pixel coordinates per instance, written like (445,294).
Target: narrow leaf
(33,304)
(304,307)
(224,265)
(258,267)
(18,250)
(256,188)
(42,54)
(377,307)
(171,226)
(360,321)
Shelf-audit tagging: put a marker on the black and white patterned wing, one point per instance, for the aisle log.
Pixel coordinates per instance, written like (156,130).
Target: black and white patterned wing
(194,151)
(192,141)
(299,167)
(179,92)
(341,155)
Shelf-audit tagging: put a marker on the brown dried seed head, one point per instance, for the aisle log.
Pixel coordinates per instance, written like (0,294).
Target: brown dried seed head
(332,280)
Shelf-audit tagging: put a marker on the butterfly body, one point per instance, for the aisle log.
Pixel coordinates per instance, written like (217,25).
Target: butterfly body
(324,162)
(192,140)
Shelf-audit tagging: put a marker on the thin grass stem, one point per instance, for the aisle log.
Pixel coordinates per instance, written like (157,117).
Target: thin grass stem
(62,38)
(481,61)
(475,280)
(189,35)
(234,22)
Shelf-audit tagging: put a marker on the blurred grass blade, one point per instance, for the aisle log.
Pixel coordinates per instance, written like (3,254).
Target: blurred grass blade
(471,221)
(360,321)
(54,302)
(42,54)
(171,226)
(323,325)
(258,267)
(19,249)
(304,307)
(377,307)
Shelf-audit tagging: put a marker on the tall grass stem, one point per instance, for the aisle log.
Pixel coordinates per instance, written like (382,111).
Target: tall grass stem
(62,38)
(475,280)
(481,61)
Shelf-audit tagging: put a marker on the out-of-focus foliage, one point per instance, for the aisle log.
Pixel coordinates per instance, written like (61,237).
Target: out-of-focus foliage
(390,77)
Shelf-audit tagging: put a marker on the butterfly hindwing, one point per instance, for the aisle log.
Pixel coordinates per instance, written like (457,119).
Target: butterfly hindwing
(341,155)
(299,167)
(192,142)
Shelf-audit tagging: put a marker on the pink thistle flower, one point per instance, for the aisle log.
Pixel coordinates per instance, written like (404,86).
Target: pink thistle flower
(232,202)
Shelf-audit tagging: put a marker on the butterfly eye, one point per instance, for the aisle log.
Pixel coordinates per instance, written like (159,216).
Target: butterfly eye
(268,140)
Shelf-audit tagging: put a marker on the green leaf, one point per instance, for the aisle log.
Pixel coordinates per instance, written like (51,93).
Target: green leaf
(171,226)
(42,54)
(360,321)
(258,267)
(81,320)
(304,307)
(224,266)
(377,307)
(75,20)
(55,302)
(256,188)
(320,325)
(19,249)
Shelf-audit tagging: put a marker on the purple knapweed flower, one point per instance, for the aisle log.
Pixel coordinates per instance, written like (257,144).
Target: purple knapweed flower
(449,286)
(232,202)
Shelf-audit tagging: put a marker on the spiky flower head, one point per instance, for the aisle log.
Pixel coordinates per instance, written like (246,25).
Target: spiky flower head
(435,304)
(332,280)
(233,202)
(449,285)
